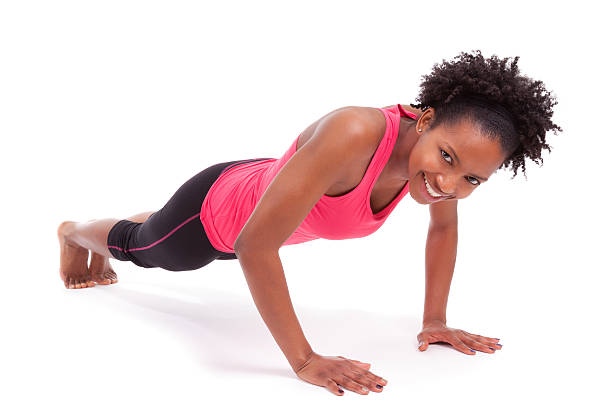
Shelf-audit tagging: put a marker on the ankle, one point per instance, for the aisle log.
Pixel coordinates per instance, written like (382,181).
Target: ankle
(65,231)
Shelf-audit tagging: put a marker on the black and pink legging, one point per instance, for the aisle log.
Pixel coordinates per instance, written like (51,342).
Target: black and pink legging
(172,238)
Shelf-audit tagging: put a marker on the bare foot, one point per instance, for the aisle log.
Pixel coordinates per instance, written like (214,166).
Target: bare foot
(73,260)
(100,269)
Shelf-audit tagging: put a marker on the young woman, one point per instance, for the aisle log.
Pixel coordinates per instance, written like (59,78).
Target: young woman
(341,178)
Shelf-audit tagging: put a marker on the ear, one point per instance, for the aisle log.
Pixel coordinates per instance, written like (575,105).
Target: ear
(425,120)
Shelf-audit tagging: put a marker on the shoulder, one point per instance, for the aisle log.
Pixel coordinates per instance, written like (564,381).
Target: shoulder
(361,119)
(366,125)
(350,133)
(353,128)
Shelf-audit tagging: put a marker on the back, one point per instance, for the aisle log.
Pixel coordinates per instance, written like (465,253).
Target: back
(295,209)
(271,197)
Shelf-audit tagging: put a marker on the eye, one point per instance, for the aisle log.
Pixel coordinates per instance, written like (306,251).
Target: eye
(477,182)
(444,155)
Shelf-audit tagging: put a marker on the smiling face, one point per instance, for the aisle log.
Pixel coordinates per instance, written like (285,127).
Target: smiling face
(454,159)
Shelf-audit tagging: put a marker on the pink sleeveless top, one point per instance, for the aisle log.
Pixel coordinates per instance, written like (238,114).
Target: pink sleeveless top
(234,195)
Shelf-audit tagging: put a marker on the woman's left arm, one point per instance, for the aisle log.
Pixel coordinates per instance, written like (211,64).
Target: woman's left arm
(440,256)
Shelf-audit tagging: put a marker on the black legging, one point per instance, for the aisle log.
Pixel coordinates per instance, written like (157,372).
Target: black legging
(172,238)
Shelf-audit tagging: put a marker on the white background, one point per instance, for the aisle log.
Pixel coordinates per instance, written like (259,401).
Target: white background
(106,108)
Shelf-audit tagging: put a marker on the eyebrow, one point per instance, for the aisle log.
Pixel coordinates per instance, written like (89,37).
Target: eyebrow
(459,162)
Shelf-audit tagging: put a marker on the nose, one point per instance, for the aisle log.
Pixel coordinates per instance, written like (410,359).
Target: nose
(447,184)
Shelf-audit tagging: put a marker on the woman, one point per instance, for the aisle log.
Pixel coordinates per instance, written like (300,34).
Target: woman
(340,179)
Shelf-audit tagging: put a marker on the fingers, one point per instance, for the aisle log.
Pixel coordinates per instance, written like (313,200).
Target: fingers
(463,341)
(480,343)
(423,341)
(352,385)
(457,343)
(335,372)
(333,387)
(476,345)
(365,381)
(367,375)
(365,365)
(488,341)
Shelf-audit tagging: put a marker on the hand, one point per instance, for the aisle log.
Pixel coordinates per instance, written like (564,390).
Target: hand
(436,331)
(331,372)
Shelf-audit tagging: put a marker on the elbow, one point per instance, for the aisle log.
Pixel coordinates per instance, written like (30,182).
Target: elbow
(241,246)
(238,246)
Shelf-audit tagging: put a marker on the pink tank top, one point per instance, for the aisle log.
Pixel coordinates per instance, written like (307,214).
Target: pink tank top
(234,195)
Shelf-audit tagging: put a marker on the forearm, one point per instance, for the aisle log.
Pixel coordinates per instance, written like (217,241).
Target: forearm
(265,276)
(440,256)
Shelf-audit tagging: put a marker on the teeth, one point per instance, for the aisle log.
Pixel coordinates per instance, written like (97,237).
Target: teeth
(430,190)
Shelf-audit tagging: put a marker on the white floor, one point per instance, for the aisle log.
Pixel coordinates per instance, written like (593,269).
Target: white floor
(192,338)
(106,109)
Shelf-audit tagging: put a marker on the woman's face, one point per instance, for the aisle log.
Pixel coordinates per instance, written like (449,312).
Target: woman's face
(455,160)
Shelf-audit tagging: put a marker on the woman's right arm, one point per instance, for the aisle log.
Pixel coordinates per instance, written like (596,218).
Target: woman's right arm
(339,139)
(297,187)
(266,279)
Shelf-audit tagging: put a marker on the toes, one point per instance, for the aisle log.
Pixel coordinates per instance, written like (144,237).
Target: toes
(104,275)
(79,283)
(111,277)
(104,280)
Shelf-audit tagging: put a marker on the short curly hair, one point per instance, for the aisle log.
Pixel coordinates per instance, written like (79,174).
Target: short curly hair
(509,107)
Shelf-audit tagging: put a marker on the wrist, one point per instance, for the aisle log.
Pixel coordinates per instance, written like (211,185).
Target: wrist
(298,363)
(433,321)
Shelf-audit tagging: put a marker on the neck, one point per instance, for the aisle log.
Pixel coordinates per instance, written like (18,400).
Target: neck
(406,139)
